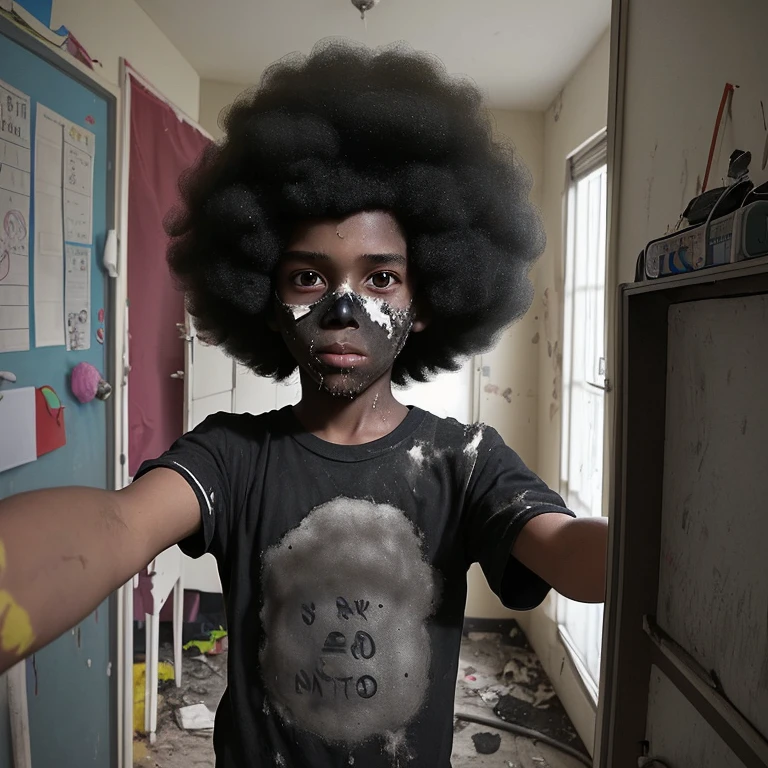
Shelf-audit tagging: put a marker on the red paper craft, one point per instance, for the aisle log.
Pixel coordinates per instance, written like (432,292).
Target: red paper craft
(49,416)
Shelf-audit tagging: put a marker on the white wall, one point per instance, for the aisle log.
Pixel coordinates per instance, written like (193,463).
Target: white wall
(509,393)
(671,102)
(110,29)
(215,96)
(578,113)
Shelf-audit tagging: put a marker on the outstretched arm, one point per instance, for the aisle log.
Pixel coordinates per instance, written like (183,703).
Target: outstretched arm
(63,551)
(569,554)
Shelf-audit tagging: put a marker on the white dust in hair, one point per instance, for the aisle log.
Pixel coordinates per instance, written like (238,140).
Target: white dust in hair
(375,310)
(279,760)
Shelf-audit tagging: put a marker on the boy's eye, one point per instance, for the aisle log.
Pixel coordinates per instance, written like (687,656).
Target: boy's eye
(307,279)
(382,280)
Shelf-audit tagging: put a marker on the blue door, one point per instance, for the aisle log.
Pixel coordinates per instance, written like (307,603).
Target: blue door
(71,683)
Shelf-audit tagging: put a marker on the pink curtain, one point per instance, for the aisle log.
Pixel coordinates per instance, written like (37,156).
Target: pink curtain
(162,147)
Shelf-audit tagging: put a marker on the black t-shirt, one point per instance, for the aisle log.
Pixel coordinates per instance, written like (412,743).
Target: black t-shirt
(344,572)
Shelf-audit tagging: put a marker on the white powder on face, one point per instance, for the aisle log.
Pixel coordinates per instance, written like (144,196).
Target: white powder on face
(374,308)
(345,288)
(299,310)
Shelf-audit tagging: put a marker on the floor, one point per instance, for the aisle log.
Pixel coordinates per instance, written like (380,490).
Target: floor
(499,677)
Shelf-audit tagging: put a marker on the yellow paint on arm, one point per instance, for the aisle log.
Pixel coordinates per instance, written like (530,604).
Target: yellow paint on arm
(16,635)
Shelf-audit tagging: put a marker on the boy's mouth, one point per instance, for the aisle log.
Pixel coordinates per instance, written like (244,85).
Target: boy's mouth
(340,356)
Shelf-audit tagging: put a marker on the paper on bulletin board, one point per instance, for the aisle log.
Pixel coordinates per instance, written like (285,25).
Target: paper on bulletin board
(77,294)
(18,430)
(15,166)
(79,146)
(49,229)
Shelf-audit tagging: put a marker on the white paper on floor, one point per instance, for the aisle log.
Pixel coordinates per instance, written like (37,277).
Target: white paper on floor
(196,718)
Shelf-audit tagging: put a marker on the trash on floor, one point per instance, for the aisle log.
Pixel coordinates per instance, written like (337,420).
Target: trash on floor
(213,646)
(487,743)
(195,718)
(501,677)
(164,672)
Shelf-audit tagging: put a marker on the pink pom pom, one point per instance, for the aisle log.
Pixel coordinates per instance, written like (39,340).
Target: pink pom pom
(88,384)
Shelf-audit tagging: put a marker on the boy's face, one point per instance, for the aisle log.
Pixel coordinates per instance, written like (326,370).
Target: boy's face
(345,300)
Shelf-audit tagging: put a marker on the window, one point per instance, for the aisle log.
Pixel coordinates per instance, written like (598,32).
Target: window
(581,464)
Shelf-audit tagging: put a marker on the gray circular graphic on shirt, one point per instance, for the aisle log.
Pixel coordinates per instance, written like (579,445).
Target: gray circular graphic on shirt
(347,595)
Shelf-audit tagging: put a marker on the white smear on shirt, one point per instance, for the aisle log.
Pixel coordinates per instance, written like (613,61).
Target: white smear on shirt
(374,308)
(470,449)
(417,455)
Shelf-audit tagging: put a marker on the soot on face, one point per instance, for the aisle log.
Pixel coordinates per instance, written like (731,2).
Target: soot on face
(367,326)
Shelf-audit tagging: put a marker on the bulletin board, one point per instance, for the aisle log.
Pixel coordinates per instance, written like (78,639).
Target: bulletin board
(71,686)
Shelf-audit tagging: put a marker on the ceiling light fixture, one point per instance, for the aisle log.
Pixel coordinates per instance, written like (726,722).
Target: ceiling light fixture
(364,6)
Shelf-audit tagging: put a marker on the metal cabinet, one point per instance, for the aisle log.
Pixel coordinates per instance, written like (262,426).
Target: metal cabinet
(685,651)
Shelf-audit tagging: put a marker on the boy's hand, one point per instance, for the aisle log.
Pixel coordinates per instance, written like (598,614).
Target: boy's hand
(62,552)
(569,553)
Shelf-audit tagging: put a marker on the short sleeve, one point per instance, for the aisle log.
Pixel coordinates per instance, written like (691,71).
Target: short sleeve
(502,497)
(201,458)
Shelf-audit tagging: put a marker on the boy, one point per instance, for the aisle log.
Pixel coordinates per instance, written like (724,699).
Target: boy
(360,223)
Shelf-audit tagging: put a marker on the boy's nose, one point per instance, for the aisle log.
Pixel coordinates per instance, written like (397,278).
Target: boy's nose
(340,314)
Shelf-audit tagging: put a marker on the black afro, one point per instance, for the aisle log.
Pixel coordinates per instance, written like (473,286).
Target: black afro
(343,130)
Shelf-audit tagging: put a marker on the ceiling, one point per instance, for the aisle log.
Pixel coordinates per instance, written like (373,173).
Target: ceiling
(520,52)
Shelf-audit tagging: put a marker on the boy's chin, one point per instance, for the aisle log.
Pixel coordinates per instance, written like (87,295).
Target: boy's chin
(347,385)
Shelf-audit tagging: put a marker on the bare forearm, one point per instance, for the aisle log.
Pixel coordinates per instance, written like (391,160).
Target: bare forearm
(64,551)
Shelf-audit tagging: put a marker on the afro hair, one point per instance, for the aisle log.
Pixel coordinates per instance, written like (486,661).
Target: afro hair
(340,131)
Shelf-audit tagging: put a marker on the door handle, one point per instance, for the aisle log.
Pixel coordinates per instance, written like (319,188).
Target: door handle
(178,375)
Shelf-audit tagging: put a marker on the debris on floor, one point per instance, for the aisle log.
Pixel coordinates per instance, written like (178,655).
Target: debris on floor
(487,743)
(195,717)
(164,673)
(500,679)
(215,644)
